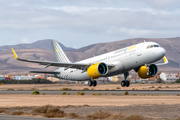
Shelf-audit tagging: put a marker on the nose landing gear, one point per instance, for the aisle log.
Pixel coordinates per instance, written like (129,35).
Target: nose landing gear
(125,82)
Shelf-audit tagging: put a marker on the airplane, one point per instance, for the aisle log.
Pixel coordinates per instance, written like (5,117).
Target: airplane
(139,57)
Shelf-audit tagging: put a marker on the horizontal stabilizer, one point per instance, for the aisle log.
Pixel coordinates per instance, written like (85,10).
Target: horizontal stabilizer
(44,72)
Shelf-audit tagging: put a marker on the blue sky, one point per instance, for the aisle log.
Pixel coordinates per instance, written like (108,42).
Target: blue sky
(78,23)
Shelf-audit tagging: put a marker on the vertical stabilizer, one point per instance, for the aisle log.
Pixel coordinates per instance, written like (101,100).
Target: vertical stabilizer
(58,52)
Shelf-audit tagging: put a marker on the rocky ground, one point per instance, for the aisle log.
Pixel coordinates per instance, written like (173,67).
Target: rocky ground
(93,106)
(133,112)
(118,107)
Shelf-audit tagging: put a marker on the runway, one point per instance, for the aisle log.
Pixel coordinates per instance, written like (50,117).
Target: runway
(89,92)
(8,117)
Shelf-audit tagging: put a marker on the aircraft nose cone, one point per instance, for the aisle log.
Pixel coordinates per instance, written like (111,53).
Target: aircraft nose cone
(162,52)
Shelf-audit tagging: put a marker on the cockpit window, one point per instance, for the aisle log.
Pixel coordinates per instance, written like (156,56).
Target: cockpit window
(156,45)
(151,46)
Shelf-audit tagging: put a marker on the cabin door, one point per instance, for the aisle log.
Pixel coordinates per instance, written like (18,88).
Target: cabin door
(139,50)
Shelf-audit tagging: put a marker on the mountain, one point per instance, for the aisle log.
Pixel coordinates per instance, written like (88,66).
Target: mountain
(40,44)
(41,50)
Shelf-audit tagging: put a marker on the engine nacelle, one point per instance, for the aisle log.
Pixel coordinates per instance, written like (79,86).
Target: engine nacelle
(97,70)
(147,72)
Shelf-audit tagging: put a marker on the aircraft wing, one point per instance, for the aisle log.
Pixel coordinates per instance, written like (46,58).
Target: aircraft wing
(46,64)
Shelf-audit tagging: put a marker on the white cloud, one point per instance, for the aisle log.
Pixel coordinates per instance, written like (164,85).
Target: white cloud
(162,4)
(114,20)
(25,40)
(73,9)
(79,10)
(83,17)
(135,32)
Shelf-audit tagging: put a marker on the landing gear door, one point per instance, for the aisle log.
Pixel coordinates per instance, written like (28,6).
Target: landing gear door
(139,50)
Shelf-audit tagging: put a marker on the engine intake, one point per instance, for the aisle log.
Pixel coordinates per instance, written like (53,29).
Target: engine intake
(97,70)
(147,72)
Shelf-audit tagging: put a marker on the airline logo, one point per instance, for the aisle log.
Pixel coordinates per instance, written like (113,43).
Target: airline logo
(132,47)
(125,49)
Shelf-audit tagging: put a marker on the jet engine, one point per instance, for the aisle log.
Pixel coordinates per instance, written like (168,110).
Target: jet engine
(147,71)
(97,70)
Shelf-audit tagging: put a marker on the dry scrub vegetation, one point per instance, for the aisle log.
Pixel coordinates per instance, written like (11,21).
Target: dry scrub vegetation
(119,116)
(50,111)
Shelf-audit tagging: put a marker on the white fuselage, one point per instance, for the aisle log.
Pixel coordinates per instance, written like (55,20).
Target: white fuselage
(123,60)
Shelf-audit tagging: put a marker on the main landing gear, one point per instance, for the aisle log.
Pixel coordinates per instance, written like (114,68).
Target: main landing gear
(125,82)
(92,82)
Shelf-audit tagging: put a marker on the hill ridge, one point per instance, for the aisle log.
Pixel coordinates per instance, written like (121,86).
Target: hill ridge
(10,65)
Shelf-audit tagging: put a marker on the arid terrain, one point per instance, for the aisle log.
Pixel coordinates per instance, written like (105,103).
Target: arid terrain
(84,106)
(154,86)
(118,107)
(76,100)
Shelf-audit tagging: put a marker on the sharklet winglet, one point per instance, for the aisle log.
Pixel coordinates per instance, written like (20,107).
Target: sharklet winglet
(15,55)
(165,61)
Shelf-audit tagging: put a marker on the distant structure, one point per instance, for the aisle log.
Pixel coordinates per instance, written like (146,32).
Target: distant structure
(24,77)
(171,77)
(118,78)
(53,79)
(163,77)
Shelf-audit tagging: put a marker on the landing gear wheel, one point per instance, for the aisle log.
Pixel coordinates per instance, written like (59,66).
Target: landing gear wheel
(127,83)
(90,83)
(94,83)
(123,83)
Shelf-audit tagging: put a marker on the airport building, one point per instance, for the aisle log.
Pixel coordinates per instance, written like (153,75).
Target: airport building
(172,77)
(24,77)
